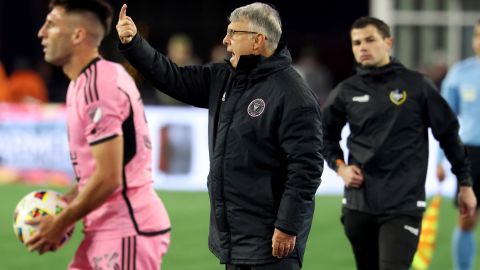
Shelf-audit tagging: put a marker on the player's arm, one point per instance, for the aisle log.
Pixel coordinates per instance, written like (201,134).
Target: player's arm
(334,119)
(450,93)
(106,178)
(71,194)
(445,127)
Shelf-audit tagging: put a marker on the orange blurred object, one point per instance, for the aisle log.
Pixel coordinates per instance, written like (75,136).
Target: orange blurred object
(428,235)
(27,86)
(5,92)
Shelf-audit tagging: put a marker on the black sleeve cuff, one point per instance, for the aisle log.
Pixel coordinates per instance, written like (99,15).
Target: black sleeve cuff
(465,181)
(285,231)
(125,47)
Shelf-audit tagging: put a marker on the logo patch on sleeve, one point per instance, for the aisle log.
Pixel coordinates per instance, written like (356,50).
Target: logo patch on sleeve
(95,114)
(398,97)
(361,99)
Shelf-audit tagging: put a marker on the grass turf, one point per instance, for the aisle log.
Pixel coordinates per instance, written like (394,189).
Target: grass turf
(327,247)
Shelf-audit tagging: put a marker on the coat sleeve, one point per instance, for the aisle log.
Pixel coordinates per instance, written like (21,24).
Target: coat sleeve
(188,84)
(300,135)
(334,119)
(450,94)
(445,127)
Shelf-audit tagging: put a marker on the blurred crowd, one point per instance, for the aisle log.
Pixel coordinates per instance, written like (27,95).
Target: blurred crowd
(27,83)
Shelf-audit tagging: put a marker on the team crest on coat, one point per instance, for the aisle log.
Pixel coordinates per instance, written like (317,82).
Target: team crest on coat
(256,107)
(398,97)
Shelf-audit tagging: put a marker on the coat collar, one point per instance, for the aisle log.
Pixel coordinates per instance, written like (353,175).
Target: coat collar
(257,66)
(391,67)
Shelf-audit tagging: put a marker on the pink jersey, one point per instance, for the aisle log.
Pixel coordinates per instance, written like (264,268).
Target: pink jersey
(102,103)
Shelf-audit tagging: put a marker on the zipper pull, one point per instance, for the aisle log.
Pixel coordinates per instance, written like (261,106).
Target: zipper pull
(224,97)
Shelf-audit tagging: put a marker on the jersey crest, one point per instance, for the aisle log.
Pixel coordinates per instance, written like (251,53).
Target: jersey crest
(398,97)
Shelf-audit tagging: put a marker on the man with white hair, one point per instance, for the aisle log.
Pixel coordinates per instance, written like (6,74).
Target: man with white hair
(265,138)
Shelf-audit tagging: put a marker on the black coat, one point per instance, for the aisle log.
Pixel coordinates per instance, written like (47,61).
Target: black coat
(265,141)
(389,111)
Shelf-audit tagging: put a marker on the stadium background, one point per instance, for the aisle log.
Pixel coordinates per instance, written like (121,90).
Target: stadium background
(430,35)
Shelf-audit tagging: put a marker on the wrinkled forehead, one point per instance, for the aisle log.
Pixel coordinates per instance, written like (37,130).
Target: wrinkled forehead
(238,23)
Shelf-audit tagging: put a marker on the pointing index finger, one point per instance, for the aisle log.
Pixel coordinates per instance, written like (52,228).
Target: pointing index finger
(123,12)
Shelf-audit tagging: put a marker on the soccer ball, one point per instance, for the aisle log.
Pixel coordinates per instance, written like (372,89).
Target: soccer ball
(35,204)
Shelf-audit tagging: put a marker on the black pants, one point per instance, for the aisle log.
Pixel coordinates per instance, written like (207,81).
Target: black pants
(382,242)
(285,264)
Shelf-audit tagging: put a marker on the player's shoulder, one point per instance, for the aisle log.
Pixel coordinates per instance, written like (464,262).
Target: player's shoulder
(104,79)
(108,70)
(464,65)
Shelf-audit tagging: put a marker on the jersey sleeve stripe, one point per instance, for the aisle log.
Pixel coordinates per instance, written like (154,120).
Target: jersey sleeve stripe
(89,83)
(95,80)
(103,140)
(87,78)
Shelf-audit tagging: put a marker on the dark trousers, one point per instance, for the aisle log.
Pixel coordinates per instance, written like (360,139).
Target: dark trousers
(382,242)
(285,264)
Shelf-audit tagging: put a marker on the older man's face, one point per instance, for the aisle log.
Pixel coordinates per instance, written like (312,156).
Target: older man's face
(239,40)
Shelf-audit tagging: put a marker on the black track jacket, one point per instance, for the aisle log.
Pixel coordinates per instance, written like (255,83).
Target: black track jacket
(389,111)
(265,141)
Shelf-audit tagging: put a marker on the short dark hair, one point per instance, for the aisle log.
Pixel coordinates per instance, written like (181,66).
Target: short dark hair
(100,8)
(381,26)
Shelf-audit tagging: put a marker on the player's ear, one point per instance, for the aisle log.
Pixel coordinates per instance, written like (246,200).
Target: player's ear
(389,42)
(79,34)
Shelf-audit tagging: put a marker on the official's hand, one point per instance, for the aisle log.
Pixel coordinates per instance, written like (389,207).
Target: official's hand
(440,173)
(352,175)
(467,202)
(48,235)
(126,28)
(282,243)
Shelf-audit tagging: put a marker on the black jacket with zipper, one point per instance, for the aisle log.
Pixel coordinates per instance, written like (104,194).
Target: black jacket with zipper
(389,111)
(265,141)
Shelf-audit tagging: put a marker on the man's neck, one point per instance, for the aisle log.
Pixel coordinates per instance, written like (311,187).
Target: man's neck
(78,62)
(384,62)
(266,53)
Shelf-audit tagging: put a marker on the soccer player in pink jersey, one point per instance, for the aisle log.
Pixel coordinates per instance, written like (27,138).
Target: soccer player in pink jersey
(126,225)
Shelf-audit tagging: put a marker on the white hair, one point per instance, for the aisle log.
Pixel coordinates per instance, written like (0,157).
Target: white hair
(263,19)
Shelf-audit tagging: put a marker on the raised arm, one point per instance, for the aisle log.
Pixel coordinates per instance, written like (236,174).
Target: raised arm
(188,84)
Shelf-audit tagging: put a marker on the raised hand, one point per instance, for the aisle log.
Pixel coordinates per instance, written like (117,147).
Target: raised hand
(126,28)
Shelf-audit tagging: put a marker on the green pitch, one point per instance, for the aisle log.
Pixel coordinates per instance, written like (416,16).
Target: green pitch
(327,247)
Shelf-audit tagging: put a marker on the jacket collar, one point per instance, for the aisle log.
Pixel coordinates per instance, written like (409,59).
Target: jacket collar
(391,67)
(257,66)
